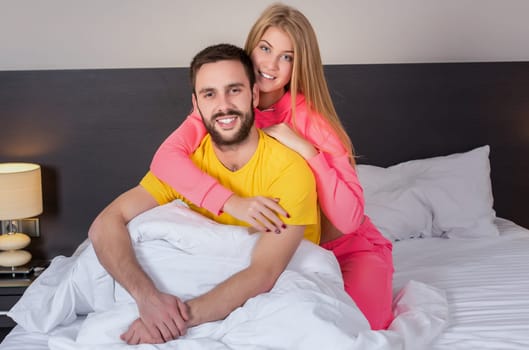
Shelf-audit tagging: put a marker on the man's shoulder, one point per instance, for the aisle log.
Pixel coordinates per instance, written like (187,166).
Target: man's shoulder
(280,160)
(272,144)
(279,151)
(205,147)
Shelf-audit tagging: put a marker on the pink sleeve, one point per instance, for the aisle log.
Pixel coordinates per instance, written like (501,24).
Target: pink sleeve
(171,163)
(340,194)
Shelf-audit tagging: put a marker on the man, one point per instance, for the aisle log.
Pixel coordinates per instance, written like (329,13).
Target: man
(242,158)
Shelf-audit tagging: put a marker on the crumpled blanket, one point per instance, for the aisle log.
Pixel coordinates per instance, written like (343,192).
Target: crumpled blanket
(187,255)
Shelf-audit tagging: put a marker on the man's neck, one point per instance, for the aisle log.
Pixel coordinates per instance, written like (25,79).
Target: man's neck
(234,157)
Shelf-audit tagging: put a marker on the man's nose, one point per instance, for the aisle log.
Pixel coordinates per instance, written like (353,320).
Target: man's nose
(224,103)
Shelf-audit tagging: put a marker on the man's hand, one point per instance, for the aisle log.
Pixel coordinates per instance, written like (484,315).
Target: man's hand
(163,318)
(138,334)
(262,213)
(288,137)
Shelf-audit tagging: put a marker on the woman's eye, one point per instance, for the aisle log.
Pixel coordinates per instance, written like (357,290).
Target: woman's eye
(287,58)
(265,48)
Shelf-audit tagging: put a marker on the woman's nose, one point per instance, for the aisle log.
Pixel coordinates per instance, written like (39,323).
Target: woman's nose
(271,63)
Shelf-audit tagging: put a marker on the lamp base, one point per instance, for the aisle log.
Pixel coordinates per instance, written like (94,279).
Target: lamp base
(11,243)
(14,241)
(16,271)
(13,258)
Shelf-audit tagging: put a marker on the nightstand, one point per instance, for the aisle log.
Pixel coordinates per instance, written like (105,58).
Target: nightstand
(11,289)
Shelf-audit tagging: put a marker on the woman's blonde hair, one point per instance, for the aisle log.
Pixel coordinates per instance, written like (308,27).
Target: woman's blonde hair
(307,70)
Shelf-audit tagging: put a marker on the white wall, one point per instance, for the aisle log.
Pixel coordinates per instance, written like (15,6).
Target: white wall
(65,34)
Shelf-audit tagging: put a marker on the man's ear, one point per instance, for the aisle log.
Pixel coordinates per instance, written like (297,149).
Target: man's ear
(255,94)
(194,100)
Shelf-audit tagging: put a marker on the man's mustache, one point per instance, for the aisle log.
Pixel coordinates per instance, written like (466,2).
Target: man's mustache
(226,113)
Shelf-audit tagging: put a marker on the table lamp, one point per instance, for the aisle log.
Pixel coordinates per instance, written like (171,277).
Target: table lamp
(20,198)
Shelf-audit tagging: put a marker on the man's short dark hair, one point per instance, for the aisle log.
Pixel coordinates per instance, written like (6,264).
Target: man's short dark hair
(221,52)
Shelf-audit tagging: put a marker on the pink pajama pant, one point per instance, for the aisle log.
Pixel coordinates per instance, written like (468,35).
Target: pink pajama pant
(367,270)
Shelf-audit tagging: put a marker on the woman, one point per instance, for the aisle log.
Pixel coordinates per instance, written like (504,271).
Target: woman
(295,107)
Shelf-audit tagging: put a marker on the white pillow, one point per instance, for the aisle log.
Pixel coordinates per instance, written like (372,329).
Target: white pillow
(443,196)
(397,208)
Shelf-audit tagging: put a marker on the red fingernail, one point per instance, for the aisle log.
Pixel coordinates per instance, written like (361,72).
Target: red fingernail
(284,226)
(267,230)
(288,215)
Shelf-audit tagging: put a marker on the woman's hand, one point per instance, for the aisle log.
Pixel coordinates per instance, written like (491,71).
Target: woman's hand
(288,137)
(262,213)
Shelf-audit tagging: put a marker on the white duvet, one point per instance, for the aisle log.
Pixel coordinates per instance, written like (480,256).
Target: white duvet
(187,255)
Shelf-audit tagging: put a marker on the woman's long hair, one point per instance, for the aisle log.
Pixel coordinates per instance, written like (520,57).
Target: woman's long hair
(308,77)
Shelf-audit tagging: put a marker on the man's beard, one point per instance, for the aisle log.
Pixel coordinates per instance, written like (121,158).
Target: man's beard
(247,120)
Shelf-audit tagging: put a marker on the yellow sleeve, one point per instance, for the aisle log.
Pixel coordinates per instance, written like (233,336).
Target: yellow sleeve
(161,192)
(296,189)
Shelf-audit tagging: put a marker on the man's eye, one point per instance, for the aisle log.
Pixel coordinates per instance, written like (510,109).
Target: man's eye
(207,95)
(235,90)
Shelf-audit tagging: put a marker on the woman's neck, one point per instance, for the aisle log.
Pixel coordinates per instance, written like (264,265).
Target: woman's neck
(267,99)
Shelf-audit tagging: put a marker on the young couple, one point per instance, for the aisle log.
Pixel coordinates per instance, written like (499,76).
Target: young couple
(226,162)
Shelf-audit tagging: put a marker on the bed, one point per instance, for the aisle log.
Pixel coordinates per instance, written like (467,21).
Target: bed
(444,178)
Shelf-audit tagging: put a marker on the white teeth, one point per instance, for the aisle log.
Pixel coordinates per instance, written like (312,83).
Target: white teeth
(264,75)
(226,120)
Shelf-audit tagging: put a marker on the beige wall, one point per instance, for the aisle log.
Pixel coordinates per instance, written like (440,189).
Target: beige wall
(66,34)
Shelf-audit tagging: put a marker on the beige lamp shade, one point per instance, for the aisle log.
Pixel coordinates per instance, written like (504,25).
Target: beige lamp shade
(20,191)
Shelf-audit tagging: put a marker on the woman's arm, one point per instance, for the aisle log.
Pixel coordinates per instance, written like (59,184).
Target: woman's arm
(340,194)
(172,164)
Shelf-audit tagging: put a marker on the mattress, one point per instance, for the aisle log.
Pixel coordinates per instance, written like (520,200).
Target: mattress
(486,282)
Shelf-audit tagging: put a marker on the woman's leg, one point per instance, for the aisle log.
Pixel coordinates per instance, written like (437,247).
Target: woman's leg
(368,273)
(368,280)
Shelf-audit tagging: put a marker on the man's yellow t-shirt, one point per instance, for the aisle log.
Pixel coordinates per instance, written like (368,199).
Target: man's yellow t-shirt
(274,171)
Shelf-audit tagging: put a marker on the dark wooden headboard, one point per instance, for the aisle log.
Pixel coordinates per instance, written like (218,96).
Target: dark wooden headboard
(94,131)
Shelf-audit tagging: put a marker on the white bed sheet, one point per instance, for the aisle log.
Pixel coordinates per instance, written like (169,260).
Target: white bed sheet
(20,339)
(486,282)
(308,294)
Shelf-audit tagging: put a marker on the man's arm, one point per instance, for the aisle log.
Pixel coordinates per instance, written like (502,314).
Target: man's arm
(270,257)
(161,313)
